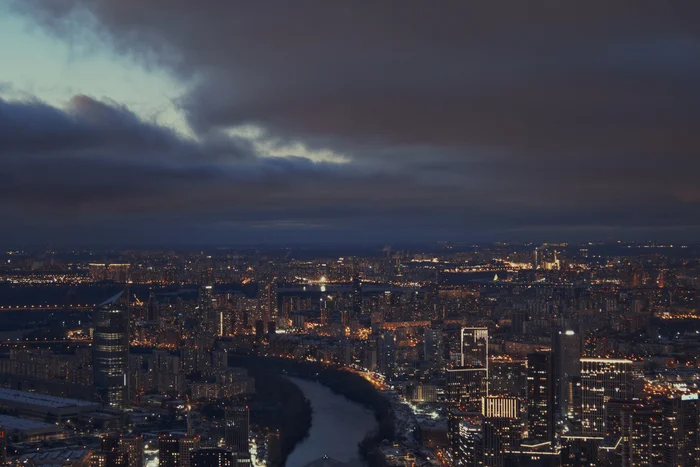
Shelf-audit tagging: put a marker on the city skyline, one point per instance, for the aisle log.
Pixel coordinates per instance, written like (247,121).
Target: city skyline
(500,355)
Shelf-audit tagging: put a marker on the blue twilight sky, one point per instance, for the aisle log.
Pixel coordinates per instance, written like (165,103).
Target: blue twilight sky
(173,121)
(36,64)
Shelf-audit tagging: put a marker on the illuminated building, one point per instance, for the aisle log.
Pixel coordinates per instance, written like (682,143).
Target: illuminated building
(175,451)
(680,425)
(475,347)
(467,387)
(643,437)
(356,296)
(133,444)
(470,441)
(567,352)
(540,396)
(503,422)
(212,457)
(237,428)
(270,309)
(502,407)
(110,350)
(386,353)
(508,377)
(129,445)
(601,380)
(109,459)
(187,444)
(259,331)
(168,451)
(432,345)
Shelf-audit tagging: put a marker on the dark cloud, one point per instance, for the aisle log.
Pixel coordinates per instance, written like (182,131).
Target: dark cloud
(458,120)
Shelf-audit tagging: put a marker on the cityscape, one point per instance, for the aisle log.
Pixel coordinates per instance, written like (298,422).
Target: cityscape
(391,233)
(495,355)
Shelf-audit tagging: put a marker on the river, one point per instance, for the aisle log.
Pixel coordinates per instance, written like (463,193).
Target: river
(337,426)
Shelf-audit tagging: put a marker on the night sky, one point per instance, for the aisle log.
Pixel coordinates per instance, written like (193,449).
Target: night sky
(223,122)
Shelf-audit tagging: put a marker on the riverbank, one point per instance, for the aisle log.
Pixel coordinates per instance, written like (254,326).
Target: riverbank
(350,385)
(279,406)
(337,427)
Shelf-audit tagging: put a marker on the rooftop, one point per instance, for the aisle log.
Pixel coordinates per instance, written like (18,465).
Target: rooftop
(44,400)
(20,424)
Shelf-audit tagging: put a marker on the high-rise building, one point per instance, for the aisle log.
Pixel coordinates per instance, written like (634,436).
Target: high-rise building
(237,428)
(681,415)
(152,308)
(432,345)
(132,444)
(168,451)
(466,439)
(109,459)
(175,451)
(475,347)
(187,445)
(386,353)
(567,354)
(642,435)
(508,377)
(474,440)
(602,379)
(356,296)
(502,407)
(540,396)
(110,350)
(467,387)
(259,331)
(270,309)
(212,457)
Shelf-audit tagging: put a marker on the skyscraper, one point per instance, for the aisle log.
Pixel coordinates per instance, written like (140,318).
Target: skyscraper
(475,347)
(540,396)
(467,384)
(567,354)
(432,345)
(237,428)
(356,295)
(602,379)
(270,309)
(642,436)
(110,350)
(467,387)
(386,353)
(681,415)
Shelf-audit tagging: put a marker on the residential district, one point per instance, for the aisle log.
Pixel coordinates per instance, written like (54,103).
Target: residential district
(467,355)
